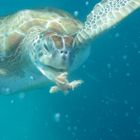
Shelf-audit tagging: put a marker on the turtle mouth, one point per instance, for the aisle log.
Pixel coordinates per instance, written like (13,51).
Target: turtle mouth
(55,69)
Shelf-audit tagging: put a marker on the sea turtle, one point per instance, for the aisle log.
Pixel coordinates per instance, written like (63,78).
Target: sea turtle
(35,44)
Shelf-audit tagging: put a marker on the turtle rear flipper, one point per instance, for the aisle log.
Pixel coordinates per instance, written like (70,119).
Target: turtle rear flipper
(104,15)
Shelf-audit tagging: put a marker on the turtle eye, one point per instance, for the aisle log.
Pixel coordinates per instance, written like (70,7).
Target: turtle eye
(68,41)
(57,41)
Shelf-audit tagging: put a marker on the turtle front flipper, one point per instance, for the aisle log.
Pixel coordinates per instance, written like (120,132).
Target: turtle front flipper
(104,15)
(60,78)
(62,84)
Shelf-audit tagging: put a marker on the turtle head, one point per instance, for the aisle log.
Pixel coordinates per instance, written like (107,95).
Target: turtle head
(57,49)
(53,52)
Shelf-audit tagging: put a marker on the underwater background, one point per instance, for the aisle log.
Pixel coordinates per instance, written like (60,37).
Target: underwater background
(105,107)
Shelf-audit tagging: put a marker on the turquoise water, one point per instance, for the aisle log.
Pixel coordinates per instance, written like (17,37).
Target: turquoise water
(105,107)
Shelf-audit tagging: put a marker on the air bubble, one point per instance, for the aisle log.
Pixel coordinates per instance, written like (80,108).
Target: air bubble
(22,95)
(76,13)
(6,90)
(75,128)
(66,116)
(125,102)
(126,114)
(57,117)
(132,108)
(127,64)
(126,46)
(124,57)
(12,101)
(87,3)
(31,77)
(69,128)
(84,66)
(117,35)
(128,74)
(109,65)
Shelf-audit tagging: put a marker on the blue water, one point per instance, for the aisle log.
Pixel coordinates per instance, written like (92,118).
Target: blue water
(105,107)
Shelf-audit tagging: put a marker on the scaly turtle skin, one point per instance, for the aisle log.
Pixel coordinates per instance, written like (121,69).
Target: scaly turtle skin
(35,44)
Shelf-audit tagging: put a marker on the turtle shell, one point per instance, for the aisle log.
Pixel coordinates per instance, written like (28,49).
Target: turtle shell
(15,27)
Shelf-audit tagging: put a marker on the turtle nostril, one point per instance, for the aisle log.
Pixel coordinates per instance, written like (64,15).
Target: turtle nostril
(66,52)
